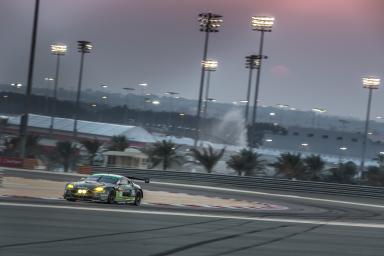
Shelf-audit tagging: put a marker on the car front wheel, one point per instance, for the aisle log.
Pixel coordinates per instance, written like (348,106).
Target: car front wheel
(138,198)
(111,197)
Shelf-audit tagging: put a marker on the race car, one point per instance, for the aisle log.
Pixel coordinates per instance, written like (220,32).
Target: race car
(108,188)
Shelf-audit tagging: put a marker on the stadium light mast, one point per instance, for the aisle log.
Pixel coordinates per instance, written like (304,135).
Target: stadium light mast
(24,118)
(262,24)
(209,66)
(83,47)
(209,23)
(370,83)
(252,62)
(58,50)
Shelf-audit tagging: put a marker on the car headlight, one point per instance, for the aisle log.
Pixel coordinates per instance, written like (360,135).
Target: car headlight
(99,189)
(70,186)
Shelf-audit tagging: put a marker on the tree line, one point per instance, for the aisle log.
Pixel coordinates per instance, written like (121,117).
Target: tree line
(167,155)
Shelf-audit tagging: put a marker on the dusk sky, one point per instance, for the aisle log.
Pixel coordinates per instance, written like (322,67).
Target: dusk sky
(318,49)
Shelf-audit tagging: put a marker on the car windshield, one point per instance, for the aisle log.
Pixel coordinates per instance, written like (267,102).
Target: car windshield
(103,178)
(108,179)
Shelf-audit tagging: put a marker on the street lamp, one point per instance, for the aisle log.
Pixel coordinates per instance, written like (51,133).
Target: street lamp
(209,66)
(370,83)
(172,96)
(317,111)
(342,149)
(17,85)
(128,90)
(208,22)
(58,50)
(262,24)
(143,86)
(83,47)
(47,87)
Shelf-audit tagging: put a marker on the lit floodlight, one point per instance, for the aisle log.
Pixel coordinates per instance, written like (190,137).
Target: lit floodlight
(262,23)
(209,65)
(210,22)
(371,82)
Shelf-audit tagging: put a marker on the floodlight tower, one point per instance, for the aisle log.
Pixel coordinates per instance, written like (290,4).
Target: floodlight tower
(252,62)
(370,83)
(58,50)
(208,22)
(83,47)
(209,66)
(262,24)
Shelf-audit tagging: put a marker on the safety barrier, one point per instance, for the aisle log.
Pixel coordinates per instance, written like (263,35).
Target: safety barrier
(249,182)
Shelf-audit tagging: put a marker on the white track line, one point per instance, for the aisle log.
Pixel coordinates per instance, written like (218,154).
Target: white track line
(228,190)
(313,222)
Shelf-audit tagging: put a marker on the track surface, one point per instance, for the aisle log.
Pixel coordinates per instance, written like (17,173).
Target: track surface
(59,228)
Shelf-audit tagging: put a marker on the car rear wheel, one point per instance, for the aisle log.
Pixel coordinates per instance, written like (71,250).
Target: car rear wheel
(111,197)
(138,198)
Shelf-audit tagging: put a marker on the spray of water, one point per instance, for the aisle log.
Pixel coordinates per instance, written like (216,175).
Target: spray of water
(232,129)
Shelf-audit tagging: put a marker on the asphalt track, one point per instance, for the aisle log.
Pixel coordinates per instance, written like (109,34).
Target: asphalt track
(340,226)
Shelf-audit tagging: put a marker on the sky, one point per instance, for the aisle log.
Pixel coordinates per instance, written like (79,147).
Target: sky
(318,50)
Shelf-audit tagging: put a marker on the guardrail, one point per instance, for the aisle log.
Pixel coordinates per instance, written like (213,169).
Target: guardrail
(250,182)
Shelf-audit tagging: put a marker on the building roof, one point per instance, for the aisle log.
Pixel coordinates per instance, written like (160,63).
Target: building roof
(133,133)
(127,152)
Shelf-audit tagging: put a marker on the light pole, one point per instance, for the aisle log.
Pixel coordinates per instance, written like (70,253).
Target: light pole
(24,117)
(317,111)
(83,47)
(262,24)
(181,115)
(104,104)
(210,100)
(371,84)
(47,87)
(128,90)
(209,22)
(172,96)
(103,98)
(341,153)
(282,108)
(251,62)
(58,50)
(209,66)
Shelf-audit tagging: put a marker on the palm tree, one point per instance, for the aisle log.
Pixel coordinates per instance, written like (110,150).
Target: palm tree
(314,165)
(92,147)
(379,160)
(246,162)
(32,145)
(118,143)
(163,152)
(207,157)
(375,176)
(290,165)
(344,173)
(66,153)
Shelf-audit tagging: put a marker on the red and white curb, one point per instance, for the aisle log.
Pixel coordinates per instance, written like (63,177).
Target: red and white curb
(265,207)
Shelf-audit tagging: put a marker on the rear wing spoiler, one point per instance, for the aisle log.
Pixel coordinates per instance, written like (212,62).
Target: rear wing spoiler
(146,180)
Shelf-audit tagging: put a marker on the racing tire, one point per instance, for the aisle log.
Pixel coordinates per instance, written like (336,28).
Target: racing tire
(138,198)
(111,197)
(71,199)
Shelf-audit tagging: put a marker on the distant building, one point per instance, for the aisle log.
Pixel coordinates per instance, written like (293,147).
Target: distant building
(129,158)
(63,127)
(325,142)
